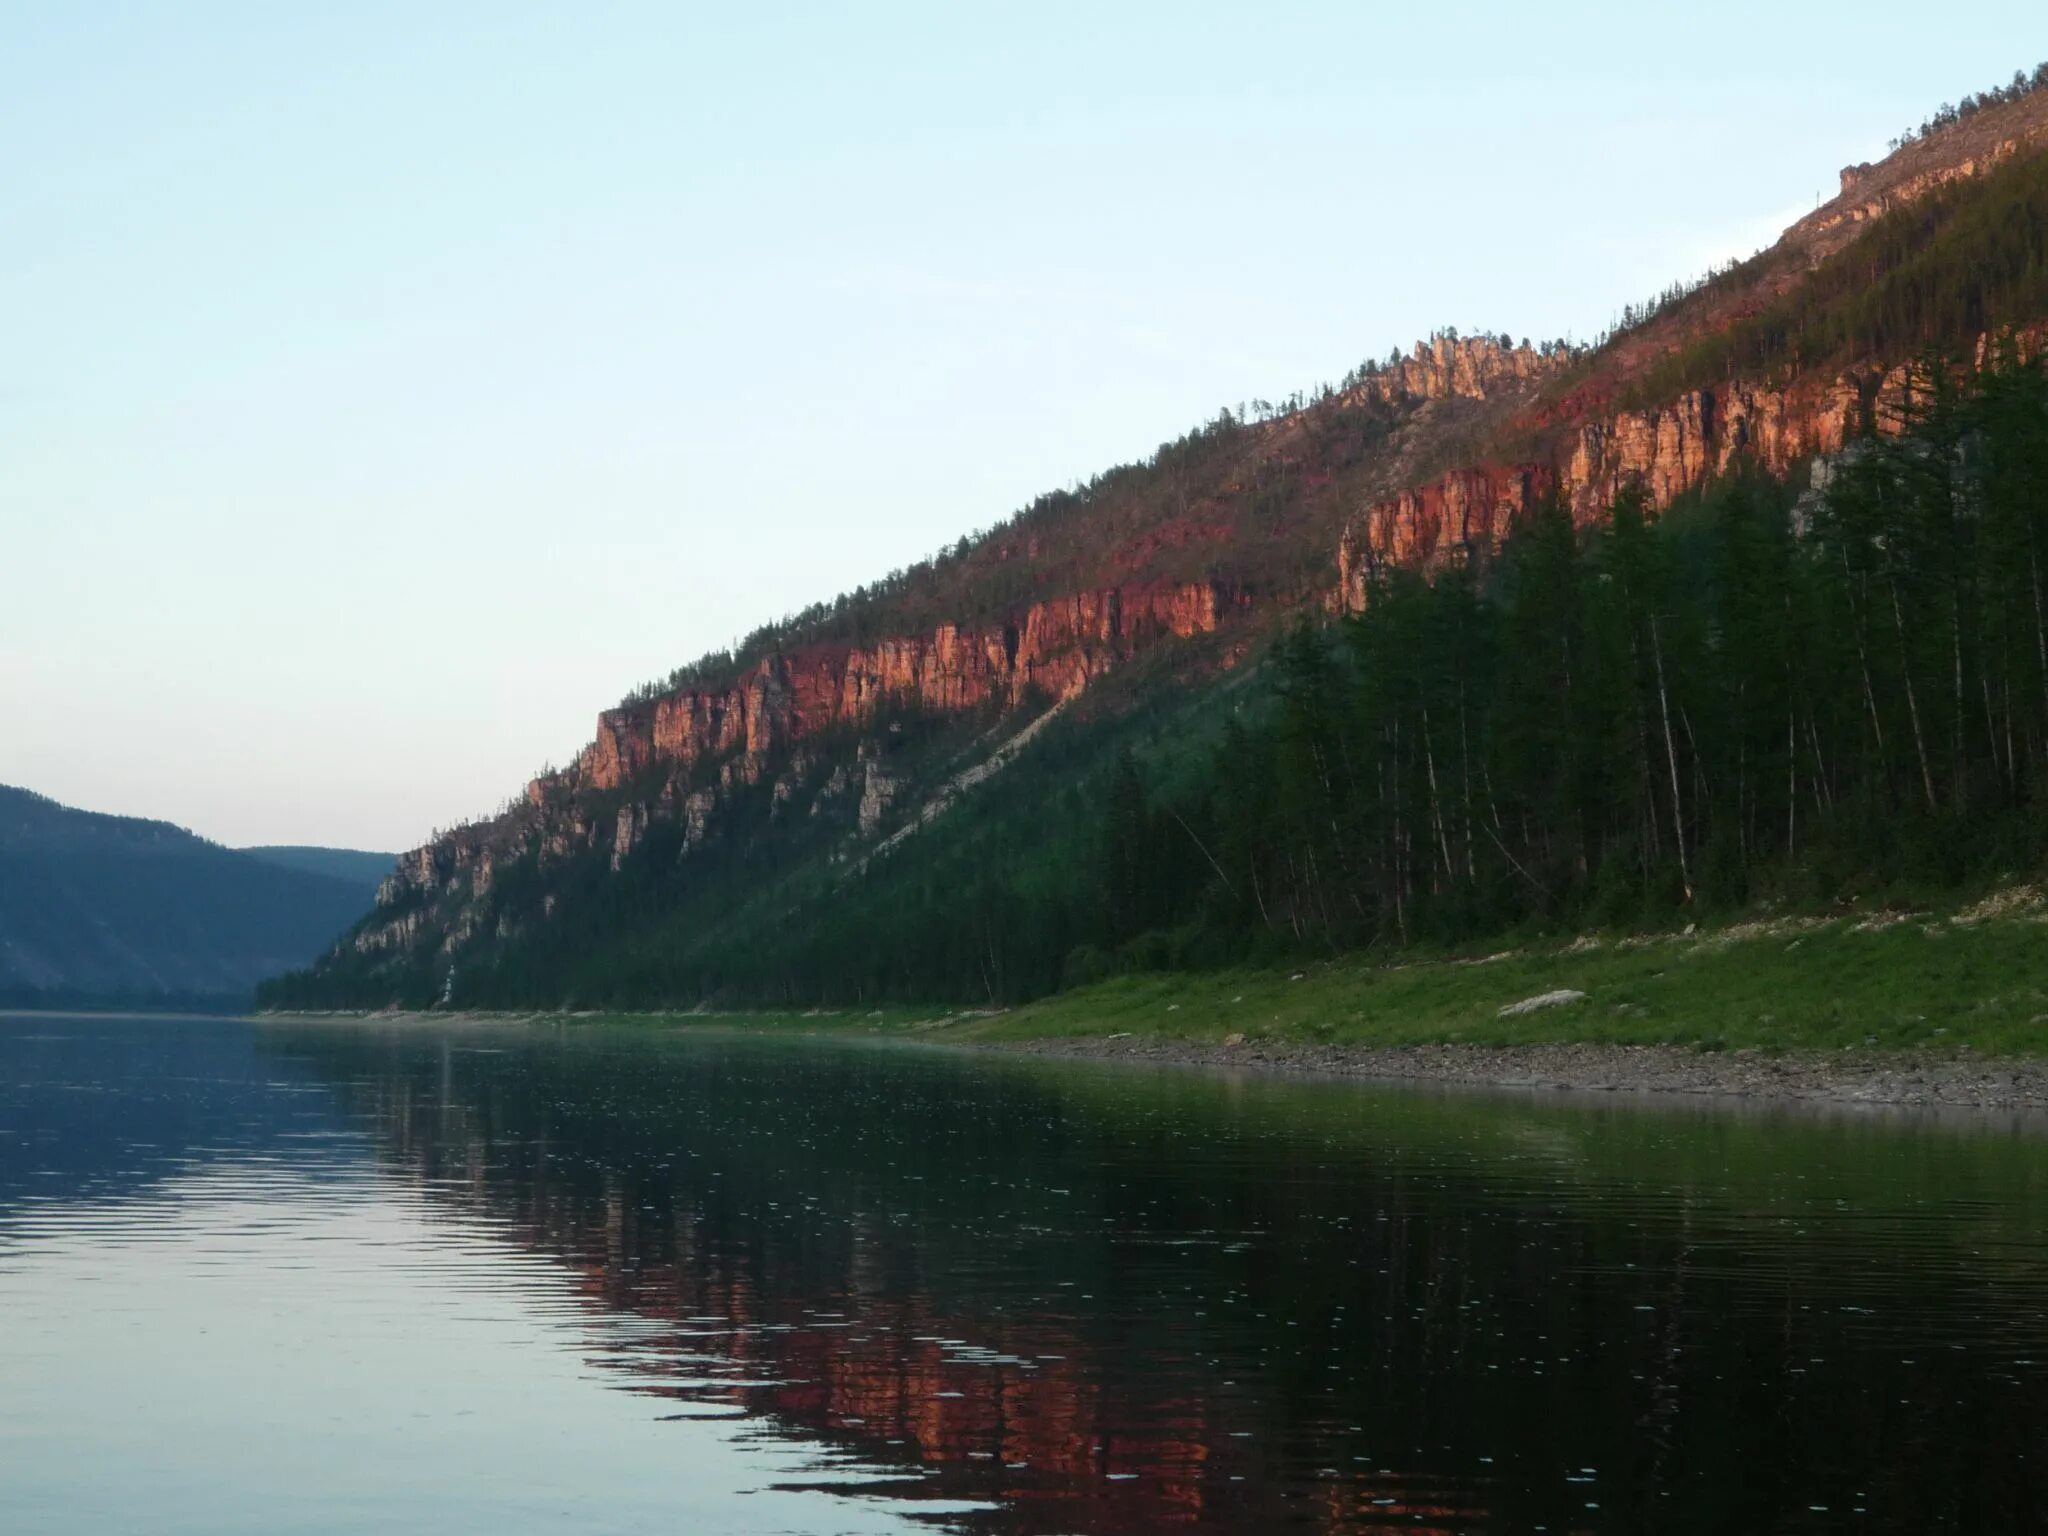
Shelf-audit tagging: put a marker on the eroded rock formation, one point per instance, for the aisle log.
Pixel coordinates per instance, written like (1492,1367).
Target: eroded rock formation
(1057,648)
(1970,148)
(1666,450)
(1460,367)
(1464,436)
(1462,516)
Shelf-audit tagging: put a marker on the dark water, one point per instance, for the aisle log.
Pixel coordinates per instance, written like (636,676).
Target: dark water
(259,1278)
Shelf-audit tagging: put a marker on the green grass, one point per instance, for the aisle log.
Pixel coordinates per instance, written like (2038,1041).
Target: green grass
(1931,980)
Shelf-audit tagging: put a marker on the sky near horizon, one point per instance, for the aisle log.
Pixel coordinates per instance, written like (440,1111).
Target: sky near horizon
(385,389)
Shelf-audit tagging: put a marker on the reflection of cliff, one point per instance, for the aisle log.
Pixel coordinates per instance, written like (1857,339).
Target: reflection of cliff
(1108,1303)
(1023,1410)
(837,1324)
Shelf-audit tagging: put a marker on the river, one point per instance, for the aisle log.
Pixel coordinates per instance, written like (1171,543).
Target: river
(293,1277)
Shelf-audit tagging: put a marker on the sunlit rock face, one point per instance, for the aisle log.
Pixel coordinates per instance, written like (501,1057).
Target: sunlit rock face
(680,756)
(1432,527)
(1425,462)
(1461,367)
(1587,451)
(1055,648)
(1664,451)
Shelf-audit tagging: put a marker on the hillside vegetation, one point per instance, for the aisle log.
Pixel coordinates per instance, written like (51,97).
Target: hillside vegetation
(1751,698)
(113,909)
(1968,258)
(1806,689)
(353,866)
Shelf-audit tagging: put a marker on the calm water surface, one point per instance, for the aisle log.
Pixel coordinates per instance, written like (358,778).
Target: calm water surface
(286,1278)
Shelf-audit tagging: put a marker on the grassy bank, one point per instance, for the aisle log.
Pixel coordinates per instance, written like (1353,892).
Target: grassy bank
(1976,978)
(1968,978)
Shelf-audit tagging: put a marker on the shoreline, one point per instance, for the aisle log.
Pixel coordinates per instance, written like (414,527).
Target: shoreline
(1911,1008)
(1904,1079)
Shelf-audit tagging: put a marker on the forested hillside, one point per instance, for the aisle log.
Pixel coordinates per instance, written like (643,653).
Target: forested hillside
(353,866)
(113,909)
(1743,603)
(1762,693)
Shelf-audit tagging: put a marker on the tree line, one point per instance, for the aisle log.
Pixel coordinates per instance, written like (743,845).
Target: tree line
(1756,694)
(1948,113)
(1966,259)
(1764,692)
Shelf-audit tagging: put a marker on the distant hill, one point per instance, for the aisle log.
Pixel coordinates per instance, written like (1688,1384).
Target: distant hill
(365,871)
(106,909)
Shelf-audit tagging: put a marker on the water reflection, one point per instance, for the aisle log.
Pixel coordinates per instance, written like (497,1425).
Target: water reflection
(1109,1301)
(834,1287)
(220,1312)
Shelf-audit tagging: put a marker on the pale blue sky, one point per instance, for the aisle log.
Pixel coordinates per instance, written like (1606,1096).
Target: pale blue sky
(386,388)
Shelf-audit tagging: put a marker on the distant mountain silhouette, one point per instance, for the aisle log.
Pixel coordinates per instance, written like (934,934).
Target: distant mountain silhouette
(365,871)
(107,909)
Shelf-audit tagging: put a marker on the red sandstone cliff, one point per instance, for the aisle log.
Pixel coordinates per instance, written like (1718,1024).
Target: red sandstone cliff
(1055,648)
(1406,467)
(1666,450)
(1589,451)
(1462,367)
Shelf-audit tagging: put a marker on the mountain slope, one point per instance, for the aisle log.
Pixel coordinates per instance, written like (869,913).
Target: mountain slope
(353,866)
(109,908)
(718,836)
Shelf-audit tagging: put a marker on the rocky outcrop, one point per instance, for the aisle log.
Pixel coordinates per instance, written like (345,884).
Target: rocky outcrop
(1973,146)
(394,934)
(697,809)
(1459,367)
(424,873)
(878,792)
(1672,448)
(943,797)
(1865,197)
(630,827)
(835,785)
(1057,648)
(1666,450)
(1460,517)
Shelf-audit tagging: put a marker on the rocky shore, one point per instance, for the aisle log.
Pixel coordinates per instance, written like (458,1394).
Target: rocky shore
(1945,1079)
(1958,1080)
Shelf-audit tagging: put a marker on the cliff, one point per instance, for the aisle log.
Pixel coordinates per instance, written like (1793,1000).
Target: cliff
(1666,450)
(1055,649)
(1587,450)
(678,760)
(1448,367)
(812,754)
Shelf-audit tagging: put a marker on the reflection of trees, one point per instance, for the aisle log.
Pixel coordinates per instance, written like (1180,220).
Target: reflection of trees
(1103,1301)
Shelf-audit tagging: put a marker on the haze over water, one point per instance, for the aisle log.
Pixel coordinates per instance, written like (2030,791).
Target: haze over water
(273,1278)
